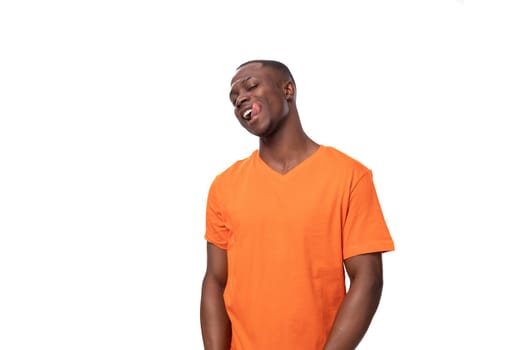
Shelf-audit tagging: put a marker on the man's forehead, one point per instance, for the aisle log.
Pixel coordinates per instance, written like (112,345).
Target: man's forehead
(246,72)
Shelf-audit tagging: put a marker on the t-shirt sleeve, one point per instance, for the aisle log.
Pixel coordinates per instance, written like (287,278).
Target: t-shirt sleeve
(365,229)
(217,232)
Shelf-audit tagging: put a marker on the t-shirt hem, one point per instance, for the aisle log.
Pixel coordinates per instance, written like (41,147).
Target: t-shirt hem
(216,243)
(374,247)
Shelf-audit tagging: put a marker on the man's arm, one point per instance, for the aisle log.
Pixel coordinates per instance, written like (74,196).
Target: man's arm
(215,324)
(360,303)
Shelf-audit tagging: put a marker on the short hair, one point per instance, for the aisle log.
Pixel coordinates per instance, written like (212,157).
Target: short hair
(279,66)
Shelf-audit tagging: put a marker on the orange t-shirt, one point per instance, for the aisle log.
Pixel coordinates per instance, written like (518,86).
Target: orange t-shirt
(286,237)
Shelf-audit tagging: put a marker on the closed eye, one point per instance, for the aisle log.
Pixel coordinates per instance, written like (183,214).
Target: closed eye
(247,85)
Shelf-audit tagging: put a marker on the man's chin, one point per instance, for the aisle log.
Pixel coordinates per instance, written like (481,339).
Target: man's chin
(261,132)
(261,128)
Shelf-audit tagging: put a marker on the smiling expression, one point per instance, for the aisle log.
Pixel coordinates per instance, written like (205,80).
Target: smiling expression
(260,96)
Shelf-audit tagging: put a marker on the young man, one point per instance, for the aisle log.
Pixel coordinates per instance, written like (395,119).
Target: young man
(281,227)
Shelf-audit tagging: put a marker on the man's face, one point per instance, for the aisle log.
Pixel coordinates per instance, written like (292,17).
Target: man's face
(259,99)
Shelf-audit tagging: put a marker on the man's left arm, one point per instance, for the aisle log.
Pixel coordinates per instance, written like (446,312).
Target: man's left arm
(360,303)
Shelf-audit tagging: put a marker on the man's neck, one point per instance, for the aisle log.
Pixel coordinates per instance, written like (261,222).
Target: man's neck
(284,153)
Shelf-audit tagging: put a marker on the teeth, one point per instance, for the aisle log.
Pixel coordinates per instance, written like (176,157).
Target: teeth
(247,115)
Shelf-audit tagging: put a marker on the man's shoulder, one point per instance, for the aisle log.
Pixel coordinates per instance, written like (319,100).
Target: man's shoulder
(340,158)
(237,166)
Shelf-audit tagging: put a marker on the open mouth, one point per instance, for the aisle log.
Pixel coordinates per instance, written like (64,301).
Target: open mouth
(247,115)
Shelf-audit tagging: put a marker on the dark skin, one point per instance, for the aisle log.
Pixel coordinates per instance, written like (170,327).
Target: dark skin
(215,324)
(283,144)
(360,303)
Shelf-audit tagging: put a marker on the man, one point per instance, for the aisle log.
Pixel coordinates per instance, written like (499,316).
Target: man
(281,227)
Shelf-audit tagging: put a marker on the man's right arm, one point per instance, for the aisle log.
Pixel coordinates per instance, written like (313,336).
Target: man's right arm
(215,324)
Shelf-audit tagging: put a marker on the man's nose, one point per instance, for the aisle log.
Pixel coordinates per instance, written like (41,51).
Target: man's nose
(240,100)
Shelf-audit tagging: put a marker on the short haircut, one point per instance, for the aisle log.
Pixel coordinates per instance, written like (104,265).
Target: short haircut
(281,67)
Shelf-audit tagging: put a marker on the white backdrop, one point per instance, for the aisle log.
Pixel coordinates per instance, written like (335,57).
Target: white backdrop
(114,119)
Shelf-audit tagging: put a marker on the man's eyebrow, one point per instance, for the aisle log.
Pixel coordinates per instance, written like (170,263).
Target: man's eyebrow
(239,81)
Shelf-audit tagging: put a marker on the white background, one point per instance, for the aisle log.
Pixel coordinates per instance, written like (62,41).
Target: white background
(114,119)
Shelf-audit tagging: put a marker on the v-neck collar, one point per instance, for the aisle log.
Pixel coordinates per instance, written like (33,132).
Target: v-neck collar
(290,173)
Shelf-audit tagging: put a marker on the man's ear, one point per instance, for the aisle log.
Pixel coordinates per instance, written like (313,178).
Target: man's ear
(289,90)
